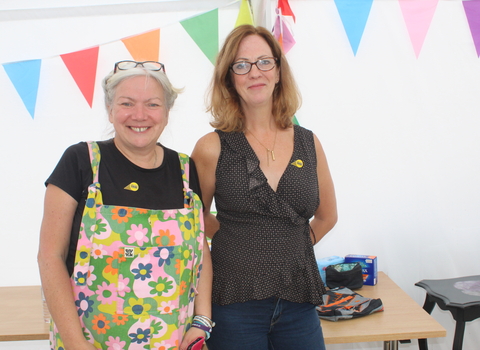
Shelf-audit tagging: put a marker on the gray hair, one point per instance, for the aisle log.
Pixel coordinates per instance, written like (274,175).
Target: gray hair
(111,81)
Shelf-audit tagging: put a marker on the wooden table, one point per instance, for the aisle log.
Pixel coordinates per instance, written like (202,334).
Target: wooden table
(21,317)
(402,319)
(21,314)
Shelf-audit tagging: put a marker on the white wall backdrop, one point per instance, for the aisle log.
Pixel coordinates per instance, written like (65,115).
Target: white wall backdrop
(402,134)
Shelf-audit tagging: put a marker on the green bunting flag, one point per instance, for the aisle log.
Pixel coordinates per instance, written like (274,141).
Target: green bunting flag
(203,29)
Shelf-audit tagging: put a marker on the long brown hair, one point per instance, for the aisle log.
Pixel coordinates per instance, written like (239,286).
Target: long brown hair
(224,104)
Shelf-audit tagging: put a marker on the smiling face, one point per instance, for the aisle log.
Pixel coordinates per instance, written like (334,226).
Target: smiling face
(138,113)
(256,87)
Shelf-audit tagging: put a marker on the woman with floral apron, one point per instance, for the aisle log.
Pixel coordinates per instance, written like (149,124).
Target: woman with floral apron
(136,270)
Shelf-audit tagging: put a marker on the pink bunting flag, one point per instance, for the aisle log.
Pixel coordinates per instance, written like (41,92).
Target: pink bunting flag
(282,33)
(418,15)
(82,65)
(472,11)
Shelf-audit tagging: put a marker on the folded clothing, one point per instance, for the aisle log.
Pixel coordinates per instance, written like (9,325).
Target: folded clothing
(343,304)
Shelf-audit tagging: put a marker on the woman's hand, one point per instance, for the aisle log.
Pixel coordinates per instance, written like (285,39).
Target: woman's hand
(192,334)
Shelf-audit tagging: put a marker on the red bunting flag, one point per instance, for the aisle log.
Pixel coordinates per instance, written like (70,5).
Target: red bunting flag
(83,68)
(284,6)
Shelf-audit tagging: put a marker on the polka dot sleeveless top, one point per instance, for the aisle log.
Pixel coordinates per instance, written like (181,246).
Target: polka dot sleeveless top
(263,247)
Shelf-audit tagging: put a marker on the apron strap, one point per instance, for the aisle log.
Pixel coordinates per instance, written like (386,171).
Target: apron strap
(94,152)
(185,166)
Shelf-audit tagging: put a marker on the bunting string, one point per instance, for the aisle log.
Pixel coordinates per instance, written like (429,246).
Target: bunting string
(203,29)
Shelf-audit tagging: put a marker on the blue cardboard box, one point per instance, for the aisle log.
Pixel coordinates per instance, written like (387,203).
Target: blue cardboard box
(324,262)
(369,267)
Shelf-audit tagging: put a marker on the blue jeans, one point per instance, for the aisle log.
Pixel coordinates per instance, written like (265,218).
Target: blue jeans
(269,324)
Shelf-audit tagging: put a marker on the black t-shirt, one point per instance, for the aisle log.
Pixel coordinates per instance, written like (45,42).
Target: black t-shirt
(159,188)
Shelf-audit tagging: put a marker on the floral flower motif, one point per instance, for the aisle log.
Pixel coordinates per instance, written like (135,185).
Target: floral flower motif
(142,336)
(156,327)
(142,211)
(120,319)
(82,255)
(91,277)
(186,252)
(138,309)
(166,307)
(164,255)
(191,296)
(84,305)
(100,324)
(183,287)
(121,214)
(90,207)
(169,214)
(98,251)
(165,238)
(115,343)
(161,286)
(81,278)
(142,252)
(162,345)
(183,313)
(137,234)
(114,262)
(107,294)
(143,272)
(187,227)
(99,227)
(122,285)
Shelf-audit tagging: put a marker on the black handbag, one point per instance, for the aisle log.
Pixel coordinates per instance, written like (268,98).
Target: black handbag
(348,275)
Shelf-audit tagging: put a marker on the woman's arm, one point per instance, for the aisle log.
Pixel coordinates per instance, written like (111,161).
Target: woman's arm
(205,155)
(59,209)
(203,300)
(325,216)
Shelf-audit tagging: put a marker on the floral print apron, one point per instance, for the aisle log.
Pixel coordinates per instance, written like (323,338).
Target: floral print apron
(136,270)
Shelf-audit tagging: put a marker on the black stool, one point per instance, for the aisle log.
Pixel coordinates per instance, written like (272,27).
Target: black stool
(460,296)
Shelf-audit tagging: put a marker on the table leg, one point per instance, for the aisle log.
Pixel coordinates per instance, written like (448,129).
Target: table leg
(458,338)
(428,307)
(390,345)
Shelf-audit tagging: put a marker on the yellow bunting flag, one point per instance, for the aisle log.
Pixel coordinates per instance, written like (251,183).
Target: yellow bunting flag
(245,15)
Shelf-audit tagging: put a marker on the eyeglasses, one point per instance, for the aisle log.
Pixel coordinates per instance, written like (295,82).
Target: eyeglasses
(150,65)
(244,67)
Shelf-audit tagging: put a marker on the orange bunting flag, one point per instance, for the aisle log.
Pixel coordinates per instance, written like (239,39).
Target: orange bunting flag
(144,47)
(82,65)
(284,6)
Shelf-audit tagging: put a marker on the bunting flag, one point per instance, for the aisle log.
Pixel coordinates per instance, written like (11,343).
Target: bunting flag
(354,15)
(285,9)
(418,16)
(25,76)
(472,11)
(203,29)
(295,120)
(144,47)
(282,33)
(245,15)
(82,65)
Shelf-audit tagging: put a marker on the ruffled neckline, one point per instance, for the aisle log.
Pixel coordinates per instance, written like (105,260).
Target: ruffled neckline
(258,186)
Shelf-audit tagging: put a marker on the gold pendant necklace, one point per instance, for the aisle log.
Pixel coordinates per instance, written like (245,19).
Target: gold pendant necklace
(269,151)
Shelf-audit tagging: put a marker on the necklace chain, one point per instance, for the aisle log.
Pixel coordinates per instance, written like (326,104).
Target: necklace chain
(269,151)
